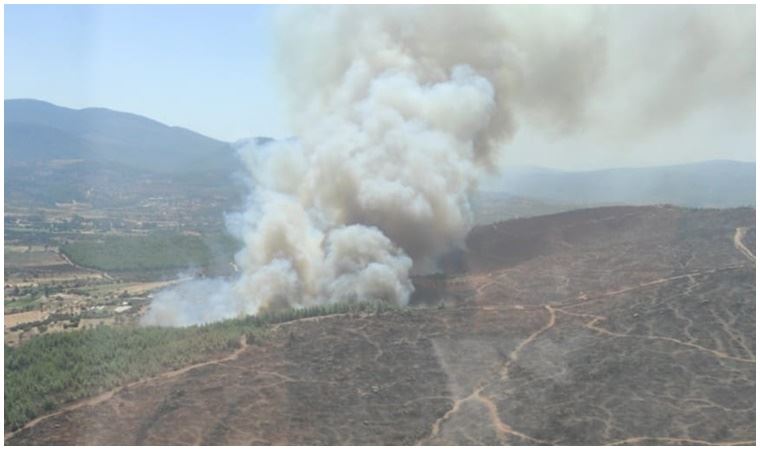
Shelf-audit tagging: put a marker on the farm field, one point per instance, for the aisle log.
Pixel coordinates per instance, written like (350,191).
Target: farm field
(159,251)
(65,272)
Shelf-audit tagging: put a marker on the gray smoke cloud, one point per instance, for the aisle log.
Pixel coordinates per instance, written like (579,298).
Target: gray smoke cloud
(669,62)
(398,111)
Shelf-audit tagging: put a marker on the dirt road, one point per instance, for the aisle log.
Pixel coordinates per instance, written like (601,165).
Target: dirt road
(87,269)
(738,238)
(90,401)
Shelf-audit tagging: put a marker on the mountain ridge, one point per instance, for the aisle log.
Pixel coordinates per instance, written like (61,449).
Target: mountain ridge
(109,136)
(712,183)
(38,132)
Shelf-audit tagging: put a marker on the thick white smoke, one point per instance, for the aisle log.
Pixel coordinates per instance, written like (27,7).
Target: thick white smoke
(398,111)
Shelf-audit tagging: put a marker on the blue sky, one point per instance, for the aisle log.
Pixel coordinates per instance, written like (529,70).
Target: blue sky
(207,68)
(211,69)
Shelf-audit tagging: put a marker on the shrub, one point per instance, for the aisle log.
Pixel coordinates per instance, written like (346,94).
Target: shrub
(52,369)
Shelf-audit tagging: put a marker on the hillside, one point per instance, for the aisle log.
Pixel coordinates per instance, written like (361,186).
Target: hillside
(37,131)
(619,325)
(55,155)
(109,158)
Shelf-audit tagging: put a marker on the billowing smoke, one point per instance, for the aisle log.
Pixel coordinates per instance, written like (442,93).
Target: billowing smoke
(398,111)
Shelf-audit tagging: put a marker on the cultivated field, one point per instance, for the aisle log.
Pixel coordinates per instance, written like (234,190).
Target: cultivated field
(75,266)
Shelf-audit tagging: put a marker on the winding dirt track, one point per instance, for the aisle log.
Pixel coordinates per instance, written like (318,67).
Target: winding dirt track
(86,269)
(91,401)
(739,244)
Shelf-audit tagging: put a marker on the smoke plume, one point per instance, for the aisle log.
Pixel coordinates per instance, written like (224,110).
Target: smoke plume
(398,111)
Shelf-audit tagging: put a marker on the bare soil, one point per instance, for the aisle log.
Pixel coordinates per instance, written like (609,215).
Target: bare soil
(23,317)
(630,325)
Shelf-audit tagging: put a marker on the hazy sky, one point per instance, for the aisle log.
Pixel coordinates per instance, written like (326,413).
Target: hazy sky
(207,68)
(676,84)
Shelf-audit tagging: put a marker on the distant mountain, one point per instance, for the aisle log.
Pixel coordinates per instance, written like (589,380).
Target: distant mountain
(718,184)
(37,131)
(54,153)
(110,158)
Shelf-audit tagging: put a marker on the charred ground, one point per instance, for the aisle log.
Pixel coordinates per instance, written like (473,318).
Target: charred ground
(630,325)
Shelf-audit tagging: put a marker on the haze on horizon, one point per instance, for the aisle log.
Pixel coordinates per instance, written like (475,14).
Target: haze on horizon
(682,92)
